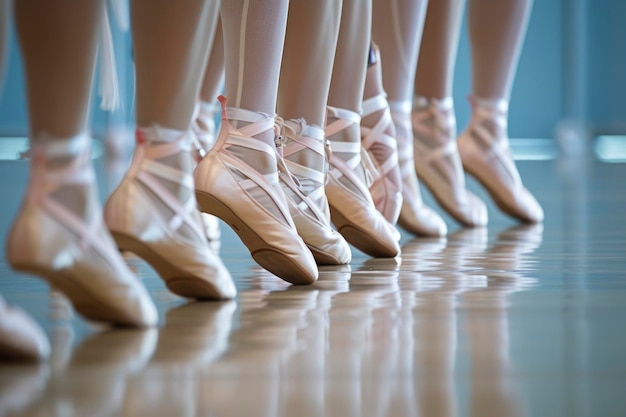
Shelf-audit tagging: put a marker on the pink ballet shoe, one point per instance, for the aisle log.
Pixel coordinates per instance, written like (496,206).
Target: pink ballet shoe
(251,203)
(76,257)
(21,338)
(437,161)
(304,188)
(415,216)
(352,209)
(175,245)
(486,156)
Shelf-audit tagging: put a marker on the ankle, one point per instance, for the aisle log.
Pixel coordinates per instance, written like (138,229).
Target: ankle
(433,120)
(311,155)
(490,116)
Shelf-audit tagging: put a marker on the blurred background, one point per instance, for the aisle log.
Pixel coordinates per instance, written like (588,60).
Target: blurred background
(571,80)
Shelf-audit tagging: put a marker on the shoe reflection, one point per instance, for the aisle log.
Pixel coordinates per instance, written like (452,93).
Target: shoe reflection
(193,336)
(94,380)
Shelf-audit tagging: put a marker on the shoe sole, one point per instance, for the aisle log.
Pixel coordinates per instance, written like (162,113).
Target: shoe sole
(359,238)
(82,301)
(262,252)
(177,280)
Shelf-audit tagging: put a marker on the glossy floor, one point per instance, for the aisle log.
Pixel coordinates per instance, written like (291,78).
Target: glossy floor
(505,321)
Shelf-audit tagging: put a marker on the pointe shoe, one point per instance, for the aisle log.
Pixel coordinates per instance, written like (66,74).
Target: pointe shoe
(251,203)
(145,218)
(415,216)
(486,156)
(21,338)
(77,258)
(352,209)
(378,140)
(437,161)
(204,135)
(304,188)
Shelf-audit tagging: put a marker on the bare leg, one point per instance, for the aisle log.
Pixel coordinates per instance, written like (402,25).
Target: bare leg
(497,30)
(69,246)
(352,171)
(437,53)
(238,179)
(437,161)
(397,29)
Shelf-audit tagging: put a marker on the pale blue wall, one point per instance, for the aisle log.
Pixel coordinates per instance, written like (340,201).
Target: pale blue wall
(542,93)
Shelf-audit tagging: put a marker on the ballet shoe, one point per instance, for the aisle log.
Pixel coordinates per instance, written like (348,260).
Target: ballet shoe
(378,140)
(304,188)
(415,217)
(75,256)
(252,204)
(145,218)
(486,156)
(21,338)
(437,161)
(203,131)
(352,209)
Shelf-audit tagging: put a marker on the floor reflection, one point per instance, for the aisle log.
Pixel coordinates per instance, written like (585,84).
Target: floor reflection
(378,339)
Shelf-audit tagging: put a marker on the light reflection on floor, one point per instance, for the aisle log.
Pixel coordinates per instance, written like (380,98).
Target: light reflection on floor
(505,321)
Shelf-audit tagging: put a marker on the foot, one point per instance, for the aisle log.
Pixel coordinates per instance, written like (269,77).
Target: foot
(437,161)
(352,209)
(415,216)
(59,235)
(303,173)
(238,181)
(21,338)
(485,154)
(153,213)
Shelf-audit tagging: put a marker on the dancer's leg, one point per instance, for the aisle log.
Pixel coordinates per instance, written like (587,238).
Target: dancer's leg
(397,29)
(352,171)
(153,212)
(437,161)
(437,53)
(69,246)
(497,31)
(310,44)
(213,81)
(238,179)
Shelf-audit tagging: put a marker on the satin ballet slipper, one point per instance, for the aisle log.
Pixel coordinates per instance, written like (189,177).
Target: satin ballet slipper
(251,203)
(21,338)
(77,257)
(415,216)
(437,161)
(147,219)
(486,156)
(304,188)
(352,209)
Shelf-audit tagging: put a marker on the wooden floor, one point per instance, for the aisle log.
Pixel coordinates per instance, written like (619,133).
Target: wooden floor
(505,321)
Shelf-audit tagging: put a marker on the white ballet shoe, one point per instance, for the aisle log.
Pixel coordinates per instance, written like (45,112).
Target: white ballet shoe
(415,216)
(380,143)
(304,188)
(352,209)
(77,258)
(485,154)
(252,204)
(21,338)
(175,245)
(437,161)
